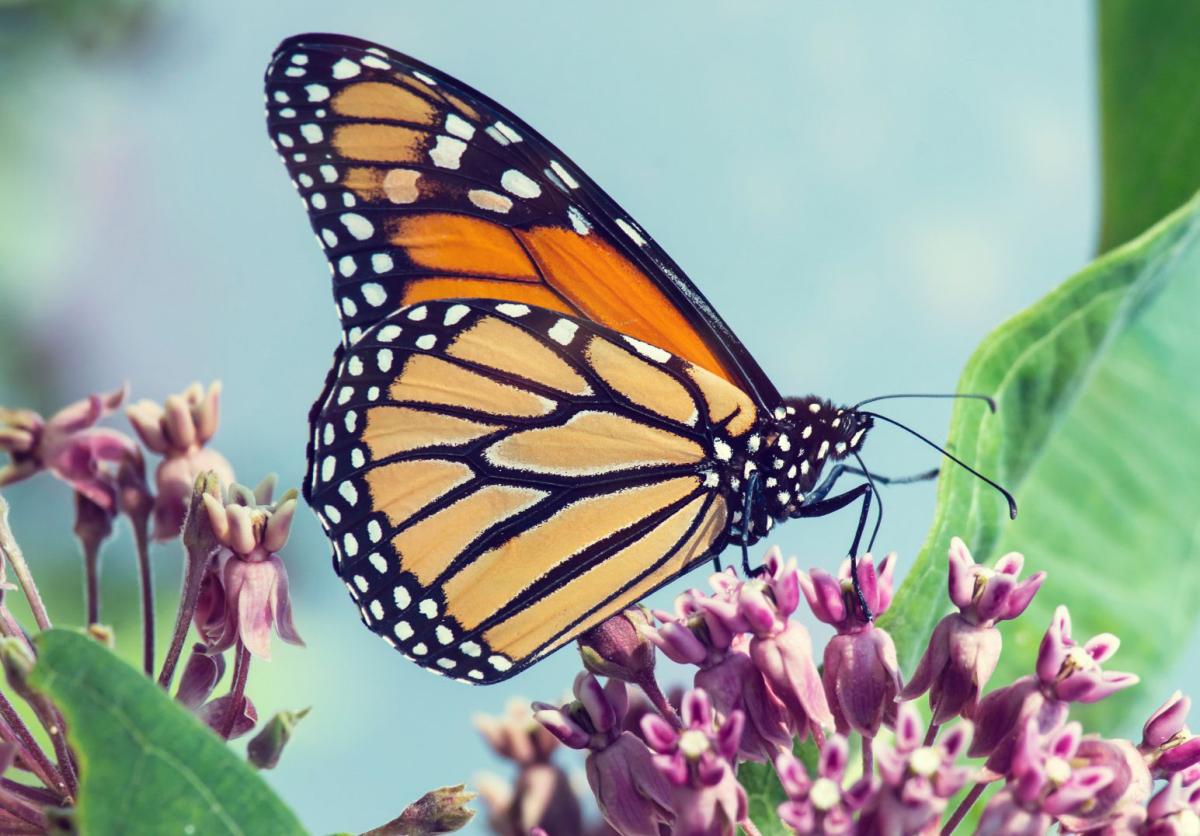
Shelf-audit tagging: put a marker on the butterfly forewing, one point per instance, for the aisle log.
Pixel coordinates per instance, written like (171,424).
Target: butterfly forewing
(497,477)
(420,188)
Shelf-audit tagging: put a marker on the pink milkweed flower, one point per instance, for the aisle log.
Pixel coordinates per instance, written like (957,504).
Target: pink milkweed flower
(709,638)
(1119,806)
(916,781)
(1175,809)
(178,431)
(862,674)
(823,806)
(965,646)
(245,591)
(780,647)
(634,797)
(1044,783)
(200,677)
(697,762)
(1167,743)
(1066,672)
(1071,672)
(71,447)
(541,795)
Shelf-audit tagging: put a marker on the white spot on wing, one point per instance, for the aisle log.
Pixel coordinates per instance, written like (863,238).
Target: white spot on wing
(345,68)
(459,127)
(447,153)
(388,333)
(374,294)
(381,262)
(512,309)
(312,132)
(564,175)
(384,359)
(507,132)
(578,221)
(489,200)
(653,352)
(563,331)
(454,314)
(519,183)
(628,229)
(358,226)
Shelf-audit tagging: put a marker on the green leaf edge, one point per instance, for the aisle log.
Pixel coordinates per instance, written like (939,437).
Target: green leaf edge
(1132,270)
(48,678)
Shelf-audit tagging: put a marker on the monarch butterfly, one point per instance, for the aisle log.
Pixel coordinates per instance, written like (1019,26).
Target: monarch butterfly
(534,418)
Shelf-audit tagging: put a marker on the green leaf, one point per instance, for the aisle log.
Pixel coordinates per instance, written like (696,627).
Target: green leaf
(147,765)
(1098,410)
(765,794)
(1149,112)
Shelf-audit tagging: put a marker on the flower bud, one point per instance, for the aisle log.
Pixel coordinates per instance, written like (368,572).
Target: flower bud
(618,647)
(267,746)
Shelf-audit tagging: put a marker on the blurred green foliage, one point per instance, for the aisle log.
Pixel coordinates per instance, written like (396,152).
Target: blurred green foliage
(1149,111)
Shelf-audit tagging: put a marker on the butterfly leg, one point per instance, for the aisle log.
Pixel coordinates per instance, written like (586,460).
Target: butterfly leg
(822,506)
(748,521)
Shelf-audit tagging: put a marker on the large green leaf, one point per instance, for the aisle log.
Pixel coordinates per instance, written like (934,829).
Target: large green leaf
(1149,112)
(146,764)
(1099,415)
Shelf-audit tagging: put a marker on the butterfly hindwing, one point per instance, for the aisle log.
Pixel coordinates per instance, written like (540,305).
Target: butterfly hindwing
(420,188)
(497,477)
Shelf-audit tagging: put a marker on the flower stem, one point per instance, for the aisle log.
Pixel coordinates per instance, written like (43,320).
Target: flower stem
(91,564)
(21,809)
(193,573)
(963,808)
(653,692)
(868,755)
(37,795)
(237,694)
(140,520)
(31,752)
(931,733)
(12,553)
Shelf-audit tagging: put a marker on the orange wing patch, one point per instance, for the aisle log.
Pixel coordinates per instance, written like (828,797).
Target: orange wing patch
(649,387)
(506,348)
(527,630)
(431,380)
(379,100)
(428,548)
(447,243)
(498,575)
(446,287)
(592,443)
(694,548)
(401,489)
(606,287)
(381,143)
(392,430)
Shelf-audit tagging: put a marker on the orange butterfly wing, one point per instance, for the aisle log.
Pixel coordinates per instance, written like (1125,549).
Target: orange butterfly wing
(420,188)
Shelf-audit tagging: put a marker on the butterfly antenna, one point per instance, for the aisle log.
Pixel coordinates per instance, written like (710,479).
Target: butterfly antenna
(991,402)
(878,501)
(1012,502)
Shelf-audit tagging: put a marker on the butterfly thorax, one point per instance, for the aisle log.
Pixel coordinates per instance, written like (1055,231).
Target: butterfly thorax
(789,459)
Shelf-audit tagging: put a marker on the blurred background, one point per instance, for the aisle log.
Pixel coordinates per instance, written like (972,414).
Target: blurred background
(863,191)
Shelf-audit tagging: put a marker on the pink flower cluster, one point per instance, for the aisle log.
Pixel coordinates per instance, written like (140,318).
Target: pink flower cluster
(672,766)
